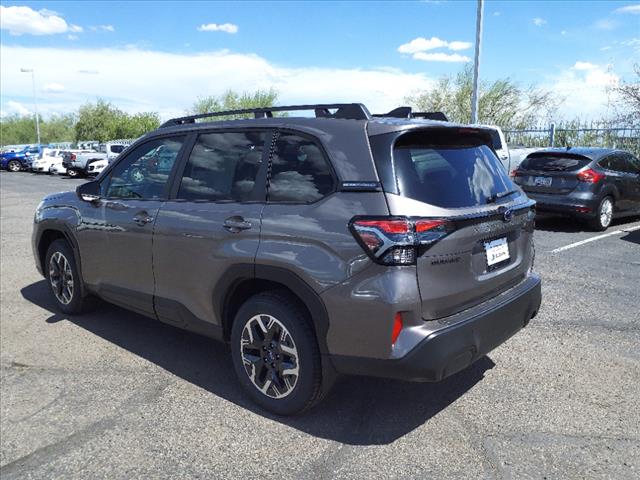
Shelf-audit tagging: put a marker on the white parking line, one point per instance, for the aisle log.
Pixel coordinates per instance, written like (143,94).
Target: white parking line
(593,239)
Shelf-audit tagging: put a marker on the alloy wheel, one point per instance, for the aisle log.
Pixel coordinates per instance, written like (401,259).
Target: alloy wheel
(61,278)
(606,212)
(269,356)
(14,166)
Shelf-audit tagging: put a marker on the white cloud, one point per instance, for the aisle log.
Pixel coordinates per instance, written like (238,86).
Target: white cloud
(584,66)
(605,24)
(102,28)
(215,27)
(53,88)
(72,37)
(422,44)
(632,9)
(12,107)
(440,57)
(563,32)
(584,90)
(195,74)
(497,14)
(460,45)
(538,22)
(24,20)
(75,28)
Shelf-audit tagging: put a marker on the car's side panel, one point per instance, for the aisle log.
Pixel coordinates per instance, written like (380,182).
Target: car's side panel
(314,241)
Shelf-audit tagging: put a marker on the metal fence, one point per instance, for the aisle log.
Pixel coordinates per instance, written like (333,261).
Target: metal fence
(573,135)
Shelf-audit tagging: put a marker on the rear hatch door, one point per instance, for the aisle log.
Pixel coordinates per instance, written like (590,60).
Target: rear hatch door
(550,172)
(454,175)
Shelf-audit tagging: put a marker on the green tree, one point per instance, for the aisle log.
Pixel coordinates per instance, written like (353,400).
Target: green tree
(231,100)
(502,102)
(16,129)
(103,122)
(58,128)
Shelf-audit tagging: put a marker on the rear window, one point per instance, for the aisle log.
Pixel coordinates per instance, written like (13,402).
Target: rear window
(456,173)
(117,148)
(552,163)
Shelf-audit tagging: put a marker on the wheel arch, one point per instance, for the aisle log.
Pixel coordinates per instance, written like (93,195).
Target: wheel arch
(243,281)
(49,232)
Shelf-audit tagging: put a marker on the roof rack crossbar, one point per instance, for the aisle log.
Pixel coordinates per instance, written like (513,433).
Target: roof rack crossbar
(353,111)
(407,112)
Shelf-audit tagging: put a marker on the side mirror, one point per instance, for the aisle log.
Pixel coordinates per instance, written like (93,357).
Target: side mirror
(89,192)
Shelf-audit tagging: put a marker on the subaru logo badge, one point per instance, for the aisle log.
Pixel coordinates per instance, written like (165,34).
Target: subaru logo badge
(507,215)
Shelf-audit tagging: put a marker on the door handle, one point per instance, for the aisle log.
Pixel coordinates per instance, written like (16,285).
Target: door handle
(235,224)
(142,219)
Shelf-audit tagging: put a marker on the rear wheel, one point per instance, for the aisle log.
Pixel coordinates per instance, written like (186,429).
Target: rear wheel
(72,173)
(604,215)
(64,280)
(14,166)
(275,354)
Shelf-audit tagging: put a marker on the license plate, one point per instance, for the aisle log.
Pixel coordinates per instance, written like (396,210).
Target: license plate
(542,181)
(497,251)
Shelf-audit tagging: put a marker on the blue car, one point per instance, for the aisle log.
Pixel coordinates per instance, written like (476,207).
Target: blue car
(20,160)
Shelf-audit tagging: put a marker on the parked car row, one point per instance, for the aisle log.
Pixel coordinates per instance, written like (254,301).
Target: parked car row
(72,162)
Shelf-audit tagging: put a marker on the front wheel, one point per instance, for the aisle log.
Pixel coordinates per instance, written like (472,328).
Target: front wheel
(14,166)
(64,280)
(604,215)
(275,354)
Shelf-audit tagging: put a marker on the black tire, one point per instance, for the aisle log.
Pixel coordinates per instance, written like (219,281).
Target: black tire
(76,303)
(72,173)
(14,166)
(308,388)
(600,223)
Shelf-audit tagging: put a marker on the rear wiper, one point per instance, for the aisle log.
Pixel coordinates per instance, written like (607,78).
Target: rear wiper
(497,196)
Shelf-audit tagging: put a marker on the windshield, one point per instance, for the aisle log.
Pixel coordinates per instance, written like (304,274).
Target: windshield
(450,176)
(554,163)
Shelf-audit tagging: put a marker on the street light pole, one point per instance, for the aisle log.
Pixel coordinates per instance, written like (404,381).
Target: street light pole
(35,102)
(476,64)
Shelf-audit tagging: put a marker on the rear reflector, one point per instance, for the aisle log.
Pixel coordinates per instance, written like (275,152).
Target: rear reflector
(397,328)
(590,176)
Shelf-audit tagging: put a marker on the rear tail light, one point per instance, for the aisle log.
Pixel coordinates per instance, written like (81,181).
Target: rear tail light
(590,176)
(73,156)
(396,240)
(515,173)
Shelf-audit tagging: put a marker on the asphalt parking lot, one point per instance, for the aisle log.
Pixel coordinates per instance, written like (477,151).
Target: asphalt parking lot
(115,395)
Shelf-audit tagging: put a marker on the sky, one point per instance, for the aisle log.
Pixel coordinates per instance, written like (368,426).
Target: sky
(161,56)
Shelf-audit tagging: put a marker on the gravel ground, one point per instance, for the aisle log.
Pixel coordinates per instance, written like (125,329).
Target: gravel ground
(112,394)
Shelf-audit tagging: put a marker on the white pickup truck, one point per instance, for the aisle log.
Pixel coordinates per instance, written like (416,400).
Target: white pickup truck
(78,163)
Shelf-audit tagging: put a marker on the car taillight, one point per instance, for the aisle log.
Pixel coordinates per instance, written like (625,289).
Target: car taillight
(515,173)
(73,156)
(590,176)
(396,240)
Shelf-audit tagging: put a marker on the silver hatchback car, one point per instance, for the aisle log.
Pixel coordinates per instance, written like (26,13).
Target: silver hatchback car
(343,243)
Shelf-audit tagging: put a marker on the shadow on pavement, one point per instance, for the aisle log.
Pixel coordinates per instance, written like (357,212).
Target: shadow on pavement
(358,411)
(558,223)
(633,237)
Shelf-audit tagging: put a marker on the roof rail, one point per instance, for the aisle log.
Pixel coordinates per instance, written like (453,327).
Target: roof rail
(353,111)
(407,112)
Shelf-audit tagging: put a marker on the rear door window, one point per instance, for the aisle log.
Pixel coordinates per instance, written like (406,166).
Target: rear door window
(223,167)
(300,172)
(554,163)
(457,174)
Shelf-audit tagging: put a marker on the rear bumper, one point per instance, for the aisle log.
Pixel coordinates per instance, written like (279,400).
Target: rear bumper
(462,341)
(582,203)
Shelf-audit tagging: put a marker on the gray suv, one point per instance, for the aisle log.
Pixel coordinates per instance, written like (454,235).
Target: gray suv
(343,243)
